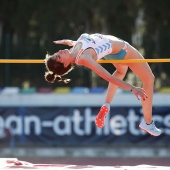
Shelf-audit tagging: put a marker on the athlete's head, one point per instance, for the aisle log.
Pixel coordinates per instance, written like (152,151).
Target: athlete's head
(57,66)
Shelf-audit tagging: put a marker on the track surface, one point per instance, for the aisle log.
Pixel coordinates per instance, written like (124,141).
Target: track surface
(86,163)
(101,161)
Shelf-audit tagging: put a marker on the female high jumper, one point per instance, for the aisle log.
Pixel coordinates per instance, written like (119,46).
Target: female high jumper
(92,47)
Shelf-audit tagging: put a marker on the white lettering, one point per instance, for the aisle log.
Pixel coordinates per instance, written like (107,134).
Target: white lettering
(89,119)
(66,129)
(81,124)
(14,124)
(1,127)
(118,125)
(133,120)
(166,122)
(77,119)
(35,122)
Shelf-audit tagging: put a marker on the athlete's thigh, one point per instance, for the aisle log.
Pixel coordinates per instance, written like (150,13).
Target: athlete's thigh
(121,68)
(142,70)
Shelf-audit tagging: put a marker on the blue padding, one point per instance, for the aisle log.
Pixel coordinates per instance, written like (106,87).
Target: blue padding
(79,90)
(97,90)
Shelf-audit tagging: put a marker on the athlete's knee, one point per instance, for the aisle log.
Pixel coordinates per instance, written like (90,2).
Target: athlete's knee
(122,71)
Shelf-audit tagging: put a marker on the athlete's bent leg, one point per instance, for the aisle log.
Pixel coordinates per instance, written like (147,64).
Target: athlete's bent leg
(119,73)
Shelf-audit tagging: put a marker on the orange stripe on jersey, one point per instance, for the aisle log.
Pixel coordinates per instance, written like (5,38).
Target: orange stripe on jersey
(78,55)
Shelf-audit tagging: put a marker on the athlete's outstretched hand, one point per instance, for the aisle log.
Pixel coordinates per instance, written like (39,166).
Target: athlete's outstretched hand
(139,93)
(65,42)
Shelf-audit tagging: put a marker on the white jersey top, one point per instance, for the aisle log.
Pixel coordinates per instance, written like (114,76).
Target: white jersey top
(98,42)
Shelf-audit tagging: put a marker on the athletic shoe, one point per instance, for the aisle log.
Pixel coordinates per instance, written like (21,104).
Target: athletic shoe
(99,120)
(151,128)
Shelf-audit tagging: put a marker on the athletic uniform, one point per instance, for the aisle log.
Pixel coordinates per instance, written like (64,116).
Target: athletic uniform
(102,46)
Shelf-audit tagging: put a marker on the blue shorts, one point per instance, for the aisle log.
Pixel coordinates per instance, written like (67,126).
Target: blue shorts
(118,56)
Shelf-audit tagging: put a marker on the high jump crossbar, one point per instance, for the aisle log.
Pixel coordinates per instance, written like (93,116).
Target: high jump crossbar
(34,61)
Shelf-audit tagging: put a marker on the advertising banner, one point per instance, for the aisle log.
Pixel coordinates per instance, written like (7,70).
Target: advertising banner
(75,126)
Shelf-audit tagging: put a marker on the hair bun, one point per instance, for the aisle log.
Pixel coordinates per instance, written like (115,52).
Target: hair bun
(50,77)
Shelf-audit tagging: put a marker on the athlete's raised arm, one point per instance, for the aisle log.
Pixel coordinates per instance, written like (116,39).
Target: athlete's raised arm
(65,42)
(87,61)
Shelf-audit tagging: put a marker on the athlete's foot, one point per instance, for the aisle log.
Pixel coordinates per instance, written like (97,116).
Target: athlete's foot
(99,120)
(151,128)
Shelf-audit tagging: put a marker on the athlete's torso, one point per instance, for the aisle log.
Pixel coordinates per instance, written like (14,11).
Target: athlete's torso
(98,42)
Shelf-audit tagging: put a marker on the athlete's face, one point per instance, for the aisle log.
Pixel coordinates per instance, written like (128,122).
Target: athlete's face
(62,57)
